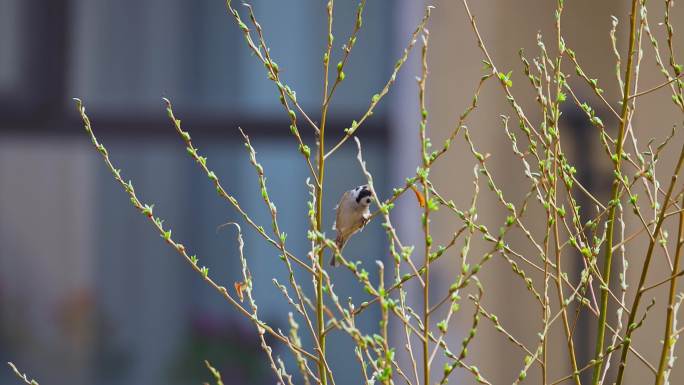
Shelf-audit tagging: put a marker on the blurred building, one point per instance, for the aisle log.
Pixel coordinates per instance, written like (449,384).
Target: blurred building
(88,292)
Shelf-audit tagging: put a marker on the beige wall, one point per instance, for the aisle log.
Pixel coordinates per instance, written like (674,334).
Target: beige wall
(455,67)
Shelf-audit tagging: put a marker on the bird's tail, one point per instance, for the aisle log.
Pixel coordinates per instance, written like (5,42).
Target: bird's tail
(339,242)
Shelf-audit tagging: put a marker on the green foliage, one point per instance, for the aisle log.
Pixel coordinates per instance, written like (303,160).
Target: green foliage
(562,231)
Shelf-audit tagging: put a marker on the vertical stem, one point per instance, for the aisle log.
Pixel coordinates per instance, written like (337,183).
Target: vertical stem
(607,263)
(547,302)
(320,322)
(559,271)
(319,273)
(644,271)
(384,325)
(557,155)
(557,250)
(426,291)
(667,344)
(426,212)
(545,320)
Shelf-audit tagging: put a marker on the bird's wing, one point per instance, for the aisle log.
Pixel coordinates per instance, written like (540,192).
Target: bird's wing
(337,209)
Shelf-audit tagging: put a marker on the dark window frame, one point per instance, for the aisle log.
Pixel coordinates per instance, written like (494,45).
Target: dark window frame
(40,103)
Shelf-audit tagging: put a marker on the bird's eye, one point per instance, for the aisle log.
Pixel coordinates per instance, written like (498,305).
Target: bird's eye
(368,200)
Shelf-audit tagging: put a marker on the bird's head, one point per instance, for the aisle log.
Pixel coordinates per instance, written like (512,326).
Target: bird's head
(362,195)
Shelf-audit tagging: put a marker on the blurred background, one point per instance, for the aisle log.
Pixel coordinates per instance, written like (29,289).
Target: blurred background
(88,292)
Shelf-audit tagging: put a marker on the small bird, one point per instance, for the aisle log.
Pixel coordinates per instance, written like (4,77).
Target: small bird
(353,212)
